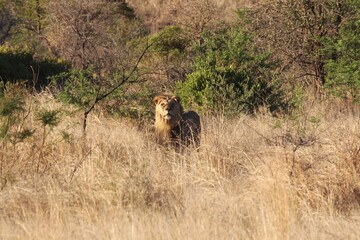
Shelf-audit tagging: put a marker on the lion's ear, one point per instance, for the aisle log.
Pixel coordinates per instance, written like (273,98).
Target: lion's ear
(157,99)
(176,98)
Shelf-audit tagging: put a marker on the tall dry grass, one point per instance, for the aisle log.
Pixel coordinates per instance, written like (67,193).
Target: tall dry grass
(156,14)
(253,178)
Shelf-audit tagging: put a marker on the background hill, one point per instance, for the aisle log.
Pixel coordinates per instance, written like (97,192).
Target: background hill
(157,14)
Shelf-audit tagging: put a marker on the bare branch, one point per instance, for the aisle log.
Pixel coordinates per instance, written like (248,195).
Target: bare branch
(124,80)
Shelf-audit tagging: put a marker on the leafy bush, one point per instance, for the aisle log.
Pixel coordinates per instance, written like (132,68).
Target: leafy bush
(81,87)
(170,39)
(343,70)
(21,66)
(77,86)
(230,75)
(13,115)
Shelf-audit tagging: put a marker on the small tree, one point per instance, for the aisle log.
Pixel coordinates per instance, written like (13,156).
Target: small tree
(295,29)
(95,36)
(91,33)
(85,88)
(196,16)
(231,75)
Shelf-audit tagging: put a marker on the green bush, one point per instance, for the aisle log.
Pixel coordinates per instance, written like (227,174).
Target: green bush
(343,70)
(82,87)
(13,115)
(171,39)
(77,86)
(230,75)
(22,67)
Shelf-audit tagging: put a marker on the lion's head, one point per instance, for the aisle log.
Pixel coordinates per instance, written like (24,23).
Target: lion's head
(168,109)
(174,125)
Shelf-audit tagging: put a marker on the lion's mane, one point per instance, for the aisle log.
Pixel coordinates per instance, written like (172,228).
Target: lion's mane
(173,125)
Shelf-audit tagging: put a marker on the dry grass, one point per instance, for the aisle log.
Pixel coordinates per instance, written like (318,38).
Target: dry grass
(253,178)
(157,14)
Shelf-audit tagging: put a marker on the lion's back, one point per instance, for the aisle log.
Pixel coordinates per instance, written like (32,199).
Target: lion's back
(191,127)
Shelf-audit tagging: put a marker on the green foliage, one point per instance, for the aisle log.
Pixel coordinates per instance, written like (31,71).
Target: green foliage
(67,137)
(230,75)
(23,134)
(130,102)
(32,24)
(343,70)
(12,115)
(48,117)
(81,87)
(170,39)
(7,20)
(10,105)
(17,66)
(77,86)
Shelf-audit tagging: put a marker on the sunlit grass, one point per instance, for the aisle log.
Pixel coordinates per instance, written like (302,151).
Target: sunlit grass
(253,178)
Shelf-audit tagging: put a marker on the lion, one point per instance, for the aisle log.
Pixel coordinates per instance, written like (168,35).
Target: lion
(173,125)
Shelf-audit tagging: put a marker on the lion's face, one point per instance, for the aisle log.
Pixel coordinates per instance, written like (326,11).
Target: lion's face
(172,124)
(168,108)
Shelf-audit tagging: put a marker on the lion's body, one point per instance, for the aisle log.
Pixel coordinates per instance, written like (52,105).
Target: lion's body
(173,125)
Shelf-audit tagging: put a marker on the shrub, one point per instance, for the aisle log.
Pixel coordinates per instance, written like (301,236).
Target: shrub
(82,86)
(13,115)
(229,74)
(22,67)
(171,39)
(343,70)
(77,86)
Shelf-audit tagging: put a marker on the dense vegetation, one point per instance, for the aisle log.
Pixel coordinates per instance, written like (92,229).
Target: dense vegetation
(276,83)
(97,51)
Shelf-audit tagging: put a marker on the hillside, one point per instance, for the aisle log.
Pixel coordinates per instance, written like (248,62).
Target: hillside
(159,13)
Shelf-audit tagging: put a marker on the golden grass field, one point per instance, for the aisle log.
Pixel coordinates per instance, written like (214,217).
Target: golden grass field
(252,178)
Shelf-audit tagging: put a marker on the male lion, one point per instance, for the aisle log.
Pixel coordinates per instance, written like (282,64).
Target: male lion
(173,125)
